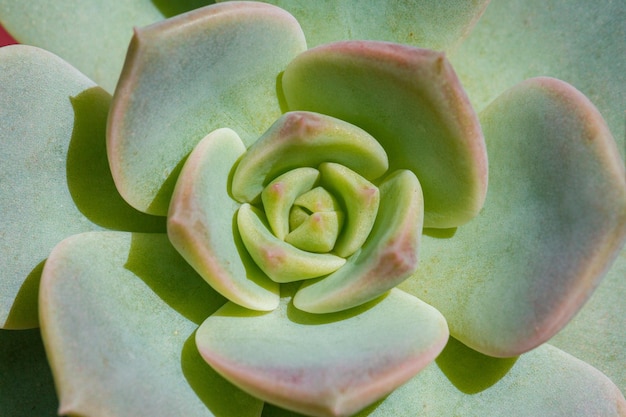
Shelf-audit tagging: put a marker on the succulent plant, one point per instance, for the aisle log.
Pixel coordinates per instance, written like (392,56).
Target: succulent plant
(296,208)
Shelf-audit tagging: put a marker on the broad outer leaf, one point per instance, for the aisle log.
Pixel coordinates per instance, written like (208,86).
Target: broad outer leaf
(323,365)
(546,382)
(92,35)
(440,24)
(572,40)
(554,220)
(187,76)
(411,101)
(118,313)
(597,334)
(54,172)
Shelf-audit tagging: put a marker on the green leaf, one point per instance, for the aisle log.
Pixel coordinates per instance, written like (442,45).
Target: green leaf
(91,35)
(306,139)
(387,258)
(573,40)
(201,224)
(438,24)
(554,219)
(185,77)
(325,365)
(410,100)
(281,261)
(360,198)
(545,382)
(597,334)
(55,175)
(280,194)
(119,312)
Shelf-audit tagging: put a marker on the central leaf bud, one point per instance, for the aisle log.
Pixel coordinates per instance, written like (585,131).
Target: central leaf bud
(309,203)
(317,213)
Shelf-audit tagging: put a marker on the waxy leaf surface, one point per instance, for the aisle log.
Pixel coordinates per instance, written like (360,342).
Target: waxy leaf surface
(118,312)
(554,220)
(411,101)
(185,77)
(54,173)
(201,224)
(323,365)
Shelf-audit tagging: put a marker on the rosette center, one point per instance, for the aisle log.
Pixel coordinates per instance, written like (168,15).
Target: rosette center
(310,202)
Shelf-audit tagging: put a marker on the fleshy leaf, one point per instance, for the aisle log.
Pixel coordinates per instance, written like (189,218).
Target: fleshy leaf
(462,382)
(597,334)
(300,139)
(516,40)
(388,257)
(438,24)
(53,173)
(554,220)
(323,365)
(187,76)
(411,101)
(281,261)
(200,224)
(279,195)
(117,313)
(360,199)
(91,35)
(318,233)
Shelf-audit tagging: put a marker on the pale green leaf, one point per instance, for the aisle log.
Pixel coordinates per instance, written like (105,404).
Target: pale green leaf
(546,382)
(183,78)
(306,139)
(54,174)
(597,334)
(554,219)
(325,365)
(119,312)
(438,24)
(201,224)
(577,41)
(92,35)
(389,255)
(411,101)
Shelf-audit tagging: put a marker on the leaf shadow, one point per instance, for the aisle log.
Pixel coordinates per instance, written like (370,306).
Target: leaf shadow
(26,386)
(170,8)
(24,313)
(470,371)
(89,177)
(155,261)
(218,395)
(313,319)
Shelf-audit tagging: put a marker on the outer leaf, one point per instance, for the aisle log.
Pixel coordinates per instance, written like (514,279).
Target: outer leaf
(573,40)
(92,35)
(554,219)
(117,311)
(54,173)
(545,382)
(187,76)
(428,24)
(410,100)
(325,365)
(597,334)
